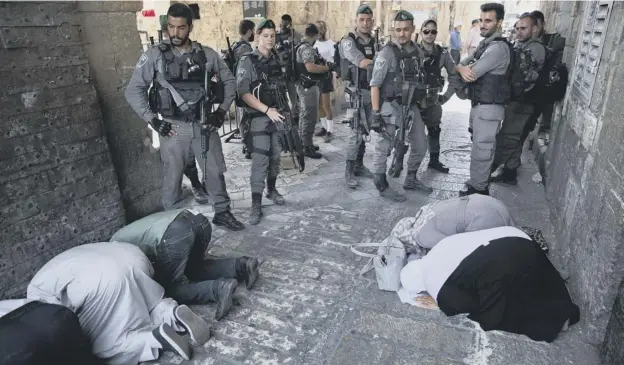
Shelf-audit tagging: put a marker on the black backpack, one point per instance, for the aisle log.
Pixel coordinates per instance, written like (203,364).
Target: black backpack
(553,81)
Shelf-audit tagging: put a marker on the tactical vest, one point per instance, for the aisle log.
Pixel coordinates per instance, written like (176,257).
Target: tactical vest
(186,74)
(269,82)
(524,73)
(490,88)
(286,53)
(309,79)
(349,71)
(433,74)
(408,72)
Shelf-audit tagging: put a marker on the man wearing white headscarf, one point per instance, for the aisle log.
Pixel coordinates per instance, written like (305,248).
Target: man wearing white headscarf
(501,278)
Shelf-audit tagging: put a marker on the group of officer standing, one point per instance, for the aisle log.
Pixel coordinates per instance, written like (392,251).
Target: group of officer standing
(178,83)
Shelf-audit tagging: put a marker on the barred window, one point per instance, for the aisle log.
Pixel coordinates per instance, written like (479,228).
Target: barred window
(592,38)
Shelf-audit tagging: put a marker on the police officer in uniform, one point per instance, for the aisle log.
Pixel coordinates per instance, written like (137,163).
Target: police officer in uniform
(486,73)
(357,50)
(260,80)
(436,58)
(310,69)
(178,70)
(396,70)
(243,46)
(518,112)
(286,39)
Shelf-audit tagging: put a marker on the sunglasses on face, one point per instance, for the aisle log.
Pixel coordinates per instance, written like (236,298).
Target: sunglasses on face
(432,31)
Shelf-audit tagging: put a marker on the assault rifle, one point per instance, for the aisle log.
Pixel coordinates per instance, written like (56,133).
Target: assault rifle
(289,136)
(230,60)
(407,118)
(360,122)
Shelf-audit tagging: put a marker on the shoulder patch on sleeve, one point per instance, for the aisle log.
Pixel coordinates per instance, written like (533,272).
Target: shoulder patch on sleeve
(307,53)
(348,44)
(379,63)
(142,61)
(241,72)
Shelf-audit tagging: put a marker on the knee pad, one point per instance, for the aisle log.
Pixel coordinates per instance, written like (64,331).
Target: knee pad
(434,132)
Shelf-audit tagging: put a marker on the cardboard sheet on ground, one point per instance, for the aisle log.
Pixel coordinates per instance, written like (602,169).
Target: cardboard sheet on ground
(420,300)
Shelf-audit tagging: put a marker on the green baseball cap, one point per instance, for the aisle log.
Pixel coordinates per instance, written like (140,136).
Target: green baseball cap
(264,24)
(402,15)
(364,9)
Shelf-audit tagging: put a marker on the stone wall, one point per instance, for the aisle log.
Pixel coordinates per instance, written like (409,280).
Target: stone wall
(58,187)
(584,182)
(219,19)
(113,47)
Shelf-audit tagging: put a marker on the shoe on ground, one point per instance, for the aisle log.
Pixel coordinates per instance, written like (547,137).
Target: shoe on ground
(171,341)
(193,324)
(224,294)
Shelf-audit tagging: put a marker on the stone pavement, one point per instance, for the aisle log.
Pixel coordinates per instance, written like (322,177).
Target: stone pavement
(310,306)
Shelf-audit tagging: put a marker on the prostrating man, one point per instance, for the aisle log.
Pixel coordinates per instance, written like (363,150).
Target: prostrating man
(178,69)
(529,60)
(121,309)
(36,333)
(397,75)
(438,220)
(486,73)
(176,242)
(436,58)
(500,277)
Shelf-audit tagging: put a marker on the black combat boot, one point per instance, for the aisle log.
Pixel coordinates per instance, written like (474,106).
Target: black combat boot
(247,270)
(385,191)
(226,219)
(223,290)
(434,163)
(469,190)
(412,183)
(508,176)
(321,132)
(310,151)
(272,193)
(199,191)
(350,175)
(360,169)
(256,208)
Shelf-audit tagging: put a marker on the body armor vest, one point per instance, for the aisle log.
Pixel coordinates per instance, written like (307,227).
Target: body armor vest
(309,79)
(269,82)
(490,88)
(408,72)
(186,74)
(433,75)
(349,71)
(524,72)
(286,54)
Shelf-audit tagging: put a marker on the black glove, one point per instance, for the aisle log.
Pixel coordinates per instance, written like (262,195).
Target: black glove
(442,99)
(163,128)
(377,121)
(217,118)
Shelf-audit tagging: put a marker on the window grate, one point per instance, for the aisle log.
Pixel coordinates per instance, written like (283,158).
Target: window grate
(590,47)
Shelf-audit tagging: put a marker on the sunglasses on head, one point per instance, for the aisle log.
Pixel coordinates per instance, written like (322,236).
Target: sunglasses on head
(432,31)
